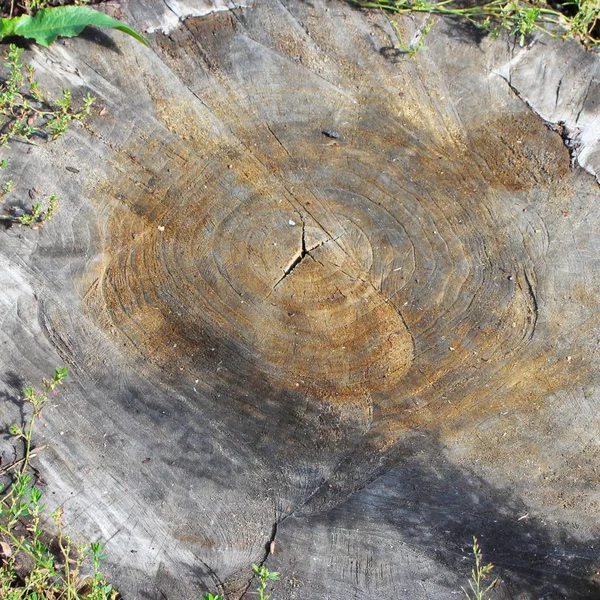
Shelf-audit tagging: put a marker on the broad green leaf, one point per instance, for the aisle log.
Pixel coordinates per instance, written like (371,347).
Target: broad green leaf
(65,21)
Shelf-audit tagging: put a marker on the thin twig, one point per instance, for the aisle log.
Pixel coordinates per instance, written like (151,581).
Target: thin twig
(15,463)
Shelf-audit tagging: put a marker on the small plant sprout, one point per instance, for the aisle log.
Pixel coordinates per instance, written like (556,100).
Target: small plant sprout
(418,41)
(37,399)
(264,576)
(34,217)
(38,214)
(27,114)
(478,584)
(6,188)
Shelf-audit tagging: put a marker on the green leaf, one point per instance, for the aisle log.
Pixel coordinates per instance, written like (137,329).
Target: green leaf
(66,21)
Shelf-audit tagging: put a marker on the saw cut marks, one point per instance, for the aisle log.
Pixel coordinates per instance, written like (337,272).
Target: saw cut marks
(297,296)
(379,260)
(330,284)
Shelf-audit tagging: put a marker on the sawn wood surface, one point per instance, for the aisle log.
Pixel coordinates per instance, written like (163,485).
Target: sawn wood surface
(315,293)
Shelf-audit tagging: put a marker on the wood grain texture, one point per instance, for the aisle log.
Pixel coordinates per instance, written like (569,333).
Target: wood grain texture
(314,292)
(563,93)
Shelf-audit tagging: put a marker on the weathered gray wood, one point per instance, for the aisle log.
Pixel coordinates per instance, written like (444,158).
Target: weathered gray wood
(563,90)
(367,345)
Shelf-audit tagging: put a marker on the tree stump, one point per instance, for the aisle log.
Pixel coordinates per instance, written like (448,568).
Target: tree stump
(318,298)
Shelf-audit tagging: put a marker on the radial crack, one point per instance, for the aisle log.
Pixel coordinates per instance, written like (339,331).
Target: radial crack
(298,258)
(269,549)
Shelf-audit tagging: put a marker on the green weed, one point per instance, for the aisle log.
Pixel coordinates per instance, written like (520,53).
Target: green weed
(33,217)
(478,584)
(264,576)
(417,43)
(27,115)
(518,17)
(29,569)
(7,186)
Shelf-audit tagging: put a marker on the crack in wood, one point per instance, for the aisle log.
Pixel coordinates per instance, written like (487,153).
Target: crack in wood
(297,259)
(558,91)
(303,253)
(569,135)
(534,302)
(269,549)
